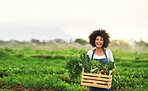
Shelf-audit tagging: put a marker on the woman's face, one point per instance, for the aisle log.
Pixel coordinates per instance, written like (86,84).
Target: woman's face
(99,41)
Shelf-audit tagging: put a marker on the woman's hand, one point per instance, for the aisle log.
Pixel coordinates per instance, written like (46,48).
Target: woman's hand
(113,70)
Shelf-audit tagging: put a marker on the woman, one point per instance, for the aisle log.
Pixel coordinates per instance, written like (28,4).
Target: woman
(100,40)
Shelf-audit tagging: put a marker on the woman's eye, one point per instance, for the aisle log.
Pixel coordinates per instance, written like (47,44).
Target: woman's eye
(99,39)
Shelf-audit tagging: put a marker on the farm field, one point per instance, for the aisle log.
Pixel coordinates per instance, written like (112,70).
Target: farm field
(37,70)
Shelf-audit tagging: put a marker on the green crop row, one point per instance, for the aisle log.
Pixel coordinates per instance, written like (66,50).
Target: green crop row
(36,70)
(41,81)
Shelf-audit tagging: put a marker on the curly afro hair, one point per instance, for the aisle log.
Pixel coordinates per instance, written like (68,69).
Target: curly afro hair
(101,33)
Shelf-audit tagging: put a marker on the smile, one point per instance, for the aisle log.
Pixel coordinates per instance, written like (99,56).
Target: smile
(99,44)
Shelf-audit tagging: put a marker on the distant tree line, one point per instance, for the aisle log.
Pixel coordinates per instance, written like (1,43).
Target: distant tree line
(128,43)
(114,43)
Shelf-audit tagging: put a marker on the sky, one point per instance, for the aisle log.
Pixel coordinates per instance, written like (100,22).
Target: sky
(49,19)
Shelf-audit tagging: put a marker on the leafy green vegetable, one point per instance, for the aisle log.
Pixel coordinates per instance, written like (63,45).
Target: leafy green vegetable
(96,66)
(75,64)
(82,60)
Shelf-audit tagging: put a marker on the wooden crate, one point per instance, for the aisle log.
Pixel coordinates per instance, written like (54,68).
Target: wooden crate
(96,80)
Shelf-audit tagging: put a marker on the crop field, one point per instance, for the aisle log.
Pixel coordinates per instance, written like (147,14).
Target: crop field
(37,70)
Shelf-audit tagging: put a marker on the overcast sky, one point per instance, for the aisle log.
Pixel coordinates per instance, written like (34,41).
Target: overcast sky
(122,19)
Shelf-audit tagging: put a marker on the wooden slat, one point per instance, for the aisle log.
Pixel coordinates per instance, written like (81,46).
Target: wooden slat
(87,77)
(106,83)
(99,75)
(96,85)
(109,78)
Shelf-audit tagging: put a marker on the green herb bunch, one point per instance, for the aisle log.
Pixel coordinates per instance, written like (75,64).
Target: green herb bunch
(76,63)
